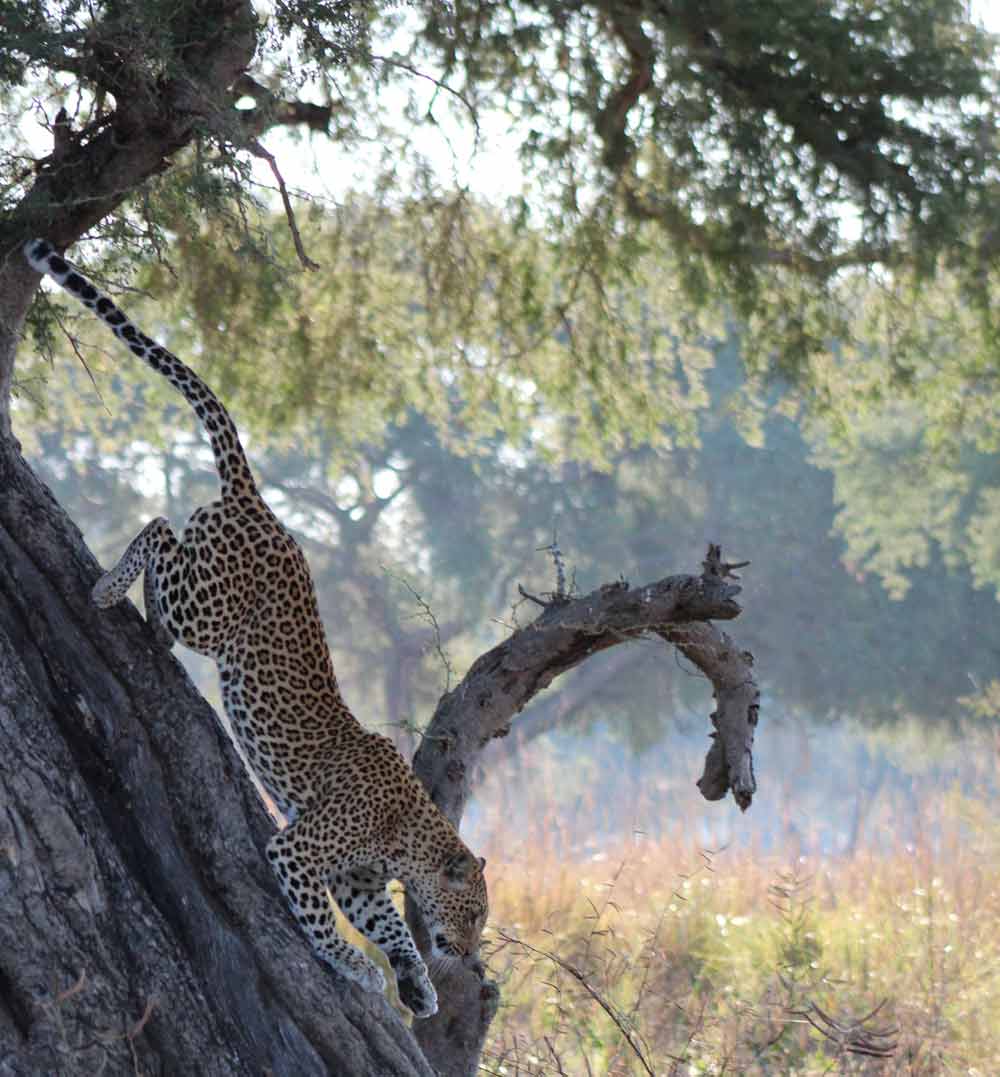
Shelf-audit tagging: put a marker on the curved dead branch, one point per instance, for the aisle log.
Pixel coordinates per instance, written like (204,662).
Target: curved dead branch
(502,681)
(568,631)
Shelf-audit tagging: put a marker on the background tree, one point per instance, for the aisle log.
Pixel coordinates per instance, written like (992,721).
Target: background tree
(721,145)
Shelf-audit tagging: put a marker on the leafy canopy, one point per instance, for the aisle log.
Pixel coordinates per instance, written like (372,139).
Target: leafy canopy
(827,174)
(750,146)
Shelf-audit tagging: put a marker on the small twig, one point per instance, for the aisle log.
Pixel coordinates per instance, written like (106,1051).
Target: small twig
(62,135)
(428,613)
(74,343)
(64,996)
(147,1013)
(258,151)
(533,598)
(713,565)
(582,980)
(559,596)
(851,1035)
(135,1031)
(560,563)
(391,61)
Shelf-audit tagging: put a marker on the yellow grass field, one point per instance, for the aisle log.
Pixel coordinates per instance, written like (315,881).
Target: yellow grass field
(657,957)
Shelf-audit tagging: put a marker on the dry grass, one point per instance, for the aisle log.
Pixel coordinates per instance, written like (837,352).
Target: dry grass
(660,958)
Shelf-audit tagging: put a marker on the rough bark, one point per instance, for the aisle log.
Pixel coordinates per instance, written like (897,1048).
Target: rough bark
(502,681)
(141,926)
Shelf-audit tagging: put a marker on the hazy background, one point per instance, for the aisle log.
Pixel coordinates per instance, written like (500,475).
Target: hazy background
(873,693)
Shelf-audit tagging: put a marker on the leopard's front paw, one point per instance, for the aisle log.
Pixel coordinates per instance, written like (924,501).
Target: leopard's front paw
(416,991)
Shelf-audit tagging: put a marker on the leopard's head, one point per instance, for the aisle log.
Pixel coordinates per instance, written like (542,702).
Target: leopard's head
(456,909)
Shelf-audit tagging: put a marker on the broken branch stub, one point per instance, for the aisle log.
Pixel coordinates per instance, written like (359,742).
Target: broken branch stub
(729,763)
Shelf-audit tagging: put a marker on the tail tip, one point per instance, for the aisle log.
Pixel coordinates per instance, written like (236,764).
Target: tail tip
(37,251)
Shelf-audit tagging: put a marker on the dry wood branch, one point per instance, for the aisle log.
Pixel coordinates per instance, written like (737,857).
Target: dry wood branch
(258,151)
(504,679)
(273,111)
(729,763)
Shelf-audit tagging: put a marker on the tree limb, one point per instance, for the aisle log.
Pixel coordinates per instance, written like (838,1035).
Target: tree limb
(729,763)
(504,679)
(274,111)
(554,711)
(612,120)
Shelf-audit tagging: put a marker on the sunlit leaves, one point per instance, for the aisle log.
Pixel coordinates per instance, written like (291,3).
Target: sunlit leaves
(445,306)
(911,429)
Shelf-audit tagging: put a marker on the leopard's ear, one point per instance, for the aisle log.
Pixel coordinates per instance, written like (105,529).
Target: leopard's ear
(458,870)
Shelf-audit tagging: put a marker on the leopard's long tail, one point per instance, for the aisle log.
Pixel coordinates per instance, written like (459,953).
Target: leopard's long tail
(230,459)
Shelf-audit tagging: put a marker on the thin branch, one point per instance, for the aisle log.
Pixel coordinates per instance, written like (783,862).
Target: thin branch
(533,598)
(74,343)
(392,61)
(560,593)
(581,979)
(429,616)
(853,1034)
(254,147)
(272,110)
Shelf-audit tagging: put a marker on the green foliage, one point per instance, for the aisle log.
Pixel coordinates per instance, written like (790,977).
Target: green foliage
(756,151)
(328,32)
(763,139)
(909,428)
(439,305)
(413,509)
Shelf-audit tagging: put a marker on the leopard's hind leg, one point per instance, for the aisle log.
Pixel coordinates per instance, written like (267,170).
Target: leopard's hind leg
(155,542)
(179,603)
(156,553)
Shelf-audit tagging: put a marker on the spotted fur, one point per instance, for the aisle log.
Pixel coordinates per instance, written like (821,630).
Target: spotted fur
(236,586)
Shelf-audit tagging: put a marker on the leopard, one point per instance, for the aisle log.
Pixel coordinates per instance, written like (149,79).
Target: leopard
(236,587)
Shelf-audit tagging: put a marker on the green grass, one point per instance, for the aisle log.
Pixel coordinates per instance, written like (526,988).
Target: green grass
(660,958)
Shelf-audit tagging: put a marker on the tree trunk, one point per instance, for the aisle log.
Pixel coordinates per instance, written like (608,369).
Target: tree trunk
(142,931)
